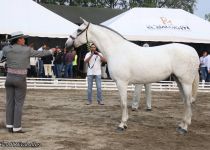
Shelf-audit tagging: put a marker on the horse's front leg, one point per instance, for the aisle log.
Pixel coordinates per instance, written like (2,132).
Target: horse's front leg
(122,87)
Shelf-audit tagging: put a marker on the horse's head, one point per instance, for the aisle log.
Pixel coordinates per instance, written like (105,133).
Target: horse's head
(79,37)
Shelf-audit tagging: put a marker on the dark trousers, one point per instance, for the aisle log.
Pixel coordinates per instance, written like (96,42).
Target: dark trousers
(74,69)
(32,71)
(208,77)
(204,73)
(15,96)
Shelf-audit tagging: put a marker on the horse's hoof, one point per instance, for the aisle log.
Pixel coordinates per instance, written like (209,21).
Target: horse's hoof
(120,129)
(181,130)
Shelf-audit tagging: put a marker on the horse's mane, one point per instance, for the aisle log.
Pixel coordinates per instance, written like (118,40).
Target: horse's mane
(113,31)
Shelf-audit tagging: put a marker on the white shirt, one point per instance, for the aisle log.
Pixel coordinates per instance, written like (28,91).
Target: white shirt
(203,61)
(208,61)
(33,61)
(40,49)
(94,65)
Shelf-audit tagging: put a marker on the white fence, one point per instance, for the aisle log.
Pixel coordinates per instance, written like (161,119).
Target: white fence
(81,84)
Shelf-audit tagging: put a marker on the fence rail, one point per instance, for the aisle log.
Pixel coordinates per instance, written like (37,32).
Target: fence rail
(109,85)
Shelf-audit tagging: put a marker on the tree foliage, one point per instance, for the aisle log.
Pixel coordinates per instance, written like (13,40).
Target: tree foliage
(207,16)
(187,5)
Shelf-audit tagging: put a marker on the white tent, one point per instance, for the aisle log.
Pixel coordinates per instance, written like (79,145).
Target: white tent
(160,24)
(32,19)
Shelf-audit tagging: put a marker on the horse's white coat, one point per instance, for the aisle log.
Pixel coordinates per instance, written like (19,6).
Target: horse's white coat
(130,63)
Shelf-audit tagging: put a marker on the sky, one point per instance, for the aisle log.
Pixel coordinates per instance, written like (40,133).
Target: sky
(202,8)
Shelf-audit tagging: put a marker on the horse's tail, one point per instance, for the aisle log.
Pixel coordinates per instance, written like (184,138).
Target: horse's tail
(195,87)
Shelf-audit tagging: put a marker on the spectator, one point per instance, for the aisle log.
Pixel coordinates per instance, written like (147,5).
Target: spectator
(137,94)
(32,71)
(74,63)
(58,62)
(68,64)
(47,61)
(203,66)
(94,59)
(40,62)
(208,67)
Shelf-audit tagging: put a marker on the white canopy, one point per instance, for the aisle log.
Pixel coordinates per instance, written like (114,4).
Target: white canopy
(32,19)
(160,24)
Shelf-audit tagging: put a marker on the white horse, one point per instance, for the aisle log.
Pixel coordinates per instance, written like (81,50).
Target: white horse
(131,64)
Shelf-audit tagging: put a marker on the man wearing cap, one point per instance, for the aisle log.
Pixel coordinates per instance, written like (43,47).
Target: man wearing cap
(18,60)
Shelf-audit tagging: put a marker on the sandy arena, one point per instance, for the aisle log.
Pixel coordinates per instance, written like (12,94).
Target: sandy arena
(60,120)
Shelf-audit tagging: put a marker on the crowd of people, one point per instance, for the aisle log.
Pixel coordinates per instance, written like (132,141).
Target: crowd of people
(62,64)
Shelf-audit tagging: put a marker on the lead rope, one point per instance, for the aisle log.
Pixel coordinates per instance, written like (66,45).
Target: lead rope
(87,42)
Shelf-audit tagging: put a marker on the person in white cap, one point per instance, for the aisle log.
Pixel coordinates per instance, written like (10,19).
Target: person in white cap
(137,94)
(18,60)
(203,66)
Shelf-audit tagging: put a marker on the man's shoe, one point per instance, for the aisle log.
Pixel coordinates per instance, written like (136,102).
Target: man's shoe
(100,102)
(20,131)
(149,109)
(88,103)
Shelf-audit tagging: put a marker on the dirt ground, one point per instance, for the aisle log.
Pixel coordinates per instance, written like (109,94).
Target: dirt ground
(60,120)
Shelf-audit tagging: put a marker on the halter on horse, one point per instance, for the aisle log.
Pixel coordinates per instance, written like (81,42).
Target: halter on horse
(131,64)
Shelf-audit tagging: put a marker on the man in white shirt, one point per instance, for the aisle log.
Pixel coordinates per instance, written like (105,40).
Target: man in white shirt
(94,59)
(203,66)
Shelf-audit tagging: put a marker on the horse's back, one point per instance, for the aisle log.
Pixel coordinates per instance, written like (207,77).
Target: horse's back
(184,60)
(182,49)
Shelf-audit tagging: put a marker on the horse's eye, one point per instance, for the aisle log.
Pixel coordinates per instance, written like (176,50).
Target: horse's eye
(79,30)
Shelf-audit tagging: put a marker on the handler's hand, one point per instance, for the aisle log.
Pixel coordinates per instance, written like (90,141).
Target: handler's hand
(52,50)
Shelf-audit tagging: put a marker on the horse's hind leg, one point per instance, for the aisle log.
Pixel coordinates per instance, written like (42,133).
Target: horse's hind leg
(122,87)
(187,89)
(179,86)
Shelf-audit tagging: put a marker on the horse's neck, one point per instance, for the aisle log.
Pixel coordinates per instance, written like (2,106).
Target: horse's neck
(104,39)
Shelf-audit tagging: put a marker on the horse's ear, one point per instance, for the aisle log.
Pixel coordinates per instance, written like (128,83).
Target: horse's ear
(84,21)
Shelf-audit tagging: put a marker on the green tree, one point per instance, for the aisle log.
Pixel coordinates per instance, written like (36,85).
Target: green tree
(48,1)
(207,16)
(187,5)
